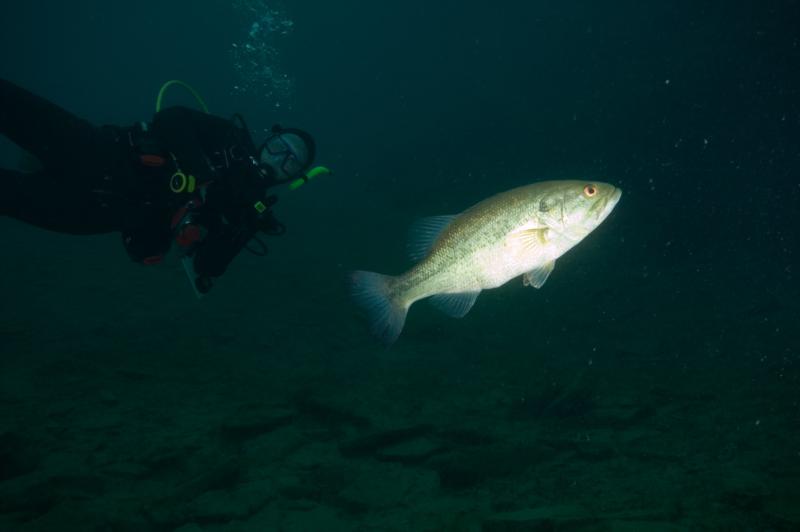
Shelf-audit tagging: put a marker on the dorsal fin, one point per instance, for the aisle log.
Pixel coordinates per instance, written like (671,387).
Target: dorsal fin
(424,233)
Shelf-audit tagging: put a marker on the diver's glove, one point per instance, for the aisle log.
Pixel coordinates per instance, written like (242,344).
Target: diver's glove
(213,255)
(146,238)
(259,218)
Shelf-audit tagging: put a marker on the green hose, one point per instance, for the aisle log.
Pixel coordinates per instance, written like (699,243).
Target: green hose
(314,172)
(188,87)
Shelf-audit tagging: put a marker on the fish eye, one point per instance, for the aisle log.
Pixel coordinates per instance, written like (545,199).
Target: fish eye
(589,191)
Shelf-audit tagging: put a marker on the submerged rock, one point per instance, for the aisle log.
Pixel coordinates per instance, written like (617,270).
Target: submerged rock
(328,414)
(16,456)
(544,519)
(465,470)
(387,485)
(744,490)
(639,526)
(253,422)
(317,518)
(371,443)
(217,507)
(783,508)
(412,451)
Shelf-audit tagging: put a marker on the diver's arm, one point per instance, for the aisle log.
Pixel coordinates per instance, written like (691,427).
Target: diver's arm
(225,240)
(185,133)
(219,248)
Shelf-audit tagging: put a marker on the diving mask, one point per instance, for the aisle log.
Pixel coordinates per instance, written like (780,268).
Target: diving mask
(289,152)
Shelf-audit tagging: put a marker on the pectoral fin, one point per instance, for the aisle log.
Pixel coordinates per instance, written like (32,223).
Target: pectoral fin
(527,240)
(455,305)
(537,277)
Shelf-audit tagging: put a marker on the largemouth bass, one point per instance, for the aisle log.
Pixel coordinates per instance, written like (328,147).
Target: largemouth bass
(520,232)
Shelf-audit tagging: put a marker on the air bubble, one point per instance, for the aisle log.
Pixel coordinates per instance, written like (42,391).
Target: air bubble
(256,57)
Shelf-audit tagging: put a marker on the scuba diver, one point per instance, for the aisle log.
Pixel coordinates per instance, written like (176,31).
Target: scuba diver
(186,177)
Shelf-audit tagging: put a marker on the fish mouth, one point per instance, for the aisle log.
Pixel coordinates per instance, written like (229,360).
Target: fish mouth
(609,204)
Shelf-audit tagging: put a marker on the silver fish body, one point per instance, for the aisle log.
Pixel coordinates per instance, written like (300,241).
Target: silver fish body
(520,232)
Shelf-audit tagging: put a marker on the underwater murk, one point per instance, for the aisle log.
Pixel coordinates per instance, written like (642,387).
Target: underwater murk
(619,183)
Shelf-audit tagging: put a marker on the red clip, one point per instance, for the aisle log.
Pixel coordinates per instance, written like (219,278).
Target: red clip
(154,259)
(188,235)
(178,216)
(152,160)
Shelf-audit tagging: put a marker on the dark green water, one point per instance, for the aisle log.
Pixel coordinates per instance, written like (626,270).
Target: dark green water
(652,384)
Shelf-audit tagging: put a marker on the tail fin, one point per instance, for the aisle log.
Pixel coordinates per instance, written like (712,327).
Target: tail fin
(386,313)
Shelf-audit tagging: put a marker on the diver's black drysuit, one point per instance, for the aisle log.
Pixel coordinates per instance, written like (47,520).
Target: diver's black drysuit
(104,179)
